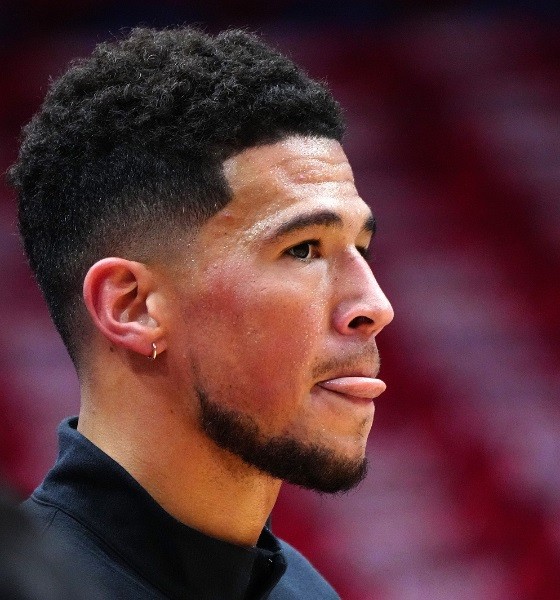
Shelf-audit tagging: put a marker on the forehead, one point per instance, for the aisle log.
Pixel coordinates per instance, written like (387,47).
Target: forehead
(276,181)
(293,161)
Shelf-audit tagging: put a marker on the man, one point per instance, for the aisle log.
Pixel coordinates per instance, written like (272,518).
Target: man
(193,223)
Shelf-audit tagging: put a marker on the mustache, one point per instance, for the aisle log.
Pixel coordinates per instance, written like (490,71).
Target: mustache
(368,357)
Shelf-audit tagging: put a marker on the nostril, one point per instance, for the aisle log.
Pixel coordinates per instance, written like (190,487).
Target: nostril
(358,321)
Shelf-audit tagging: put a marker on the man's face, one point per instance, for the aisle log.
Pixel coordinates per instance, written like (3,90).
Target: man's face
(277,313)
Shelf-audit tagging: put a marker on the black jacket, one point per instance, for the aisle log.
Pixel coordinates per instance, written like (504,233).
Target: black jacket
(132,549)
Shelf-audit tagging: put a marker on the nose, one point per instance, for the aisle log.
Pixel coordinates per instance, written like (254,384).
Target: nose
(362,308)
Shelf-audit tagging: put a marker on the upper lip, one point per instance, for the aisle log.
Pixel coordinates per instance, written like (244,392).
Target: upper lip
(362,362)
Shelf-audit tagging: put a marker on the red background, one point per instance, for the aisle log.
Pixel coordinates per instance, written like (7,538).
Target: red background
(454,135)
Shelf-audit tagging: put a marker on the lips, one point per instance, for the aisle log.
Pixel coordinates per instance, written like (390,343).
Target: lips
(358,387)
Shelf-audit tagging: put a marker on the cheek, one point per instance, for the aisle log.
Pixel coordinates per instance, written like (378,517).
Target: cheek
(264,337)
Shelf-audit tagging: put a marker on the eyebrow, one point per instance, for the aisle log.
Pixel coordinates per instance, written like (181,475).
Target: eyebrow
(324,218)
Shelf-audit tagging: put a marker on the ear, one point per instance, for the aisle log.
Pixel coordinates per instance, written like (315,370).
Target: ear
(121,298)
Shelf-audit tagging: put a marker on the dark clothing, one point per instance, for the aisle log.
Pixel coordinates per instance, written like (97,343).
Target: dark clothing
(135,550)
(30,568)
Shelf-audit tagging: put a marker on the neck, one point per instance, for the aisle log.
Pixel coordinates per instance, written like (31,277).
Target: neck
(158,440)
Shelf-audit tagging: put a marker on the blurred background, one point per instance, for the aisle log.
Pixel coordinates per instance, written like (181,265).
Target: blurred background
(453,114)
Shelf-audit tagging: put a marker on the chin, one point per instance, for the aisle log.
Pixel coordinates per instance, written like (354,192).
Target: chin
(314,466)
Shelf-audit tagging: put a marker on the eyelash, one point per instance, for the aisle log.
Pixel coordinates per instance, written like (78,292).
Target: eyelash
(367,253)
(314,245)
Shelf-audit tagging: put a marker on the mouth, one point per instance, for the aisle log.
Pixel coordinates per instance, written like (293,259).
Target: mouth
(358,387)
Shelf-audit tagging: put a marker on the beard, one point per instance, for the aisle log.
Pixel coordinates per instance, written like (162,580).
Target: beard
(284,457)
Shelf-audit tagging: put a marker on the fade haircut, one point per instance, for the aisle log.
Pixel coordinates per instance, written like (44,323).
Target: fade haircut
(128,147)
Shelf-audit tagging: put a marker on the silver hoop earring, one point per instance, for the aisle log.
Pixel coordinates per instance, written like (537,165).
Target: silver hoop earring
(154,352)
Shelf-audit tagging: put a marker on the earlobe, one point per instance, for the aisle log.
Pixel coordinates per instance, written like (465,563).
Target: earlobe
(117,294)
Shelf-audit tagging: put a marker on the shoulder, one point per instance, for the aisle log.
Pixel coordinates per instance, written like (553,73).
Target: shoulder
(301,579)
(85,554)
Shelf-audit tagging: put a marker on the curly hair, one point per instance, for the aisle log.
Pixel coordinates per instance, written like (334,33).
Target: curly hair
(130,143)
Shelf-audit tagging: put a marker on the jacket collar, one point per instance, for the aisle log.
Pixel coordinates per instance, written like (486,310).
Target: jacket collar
(92,488)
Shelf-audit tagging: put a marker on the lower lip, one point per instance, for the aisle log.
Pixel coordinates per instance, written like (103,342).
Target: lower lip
(343,406)
(348,397)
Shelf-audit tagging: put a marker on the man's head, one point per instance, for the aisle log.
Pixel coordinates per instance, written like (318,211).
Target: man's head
(127,149)
(196,189)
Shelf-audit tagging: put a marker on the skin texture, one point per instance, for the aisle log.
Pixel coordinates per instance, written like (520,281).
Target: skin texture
(252,313)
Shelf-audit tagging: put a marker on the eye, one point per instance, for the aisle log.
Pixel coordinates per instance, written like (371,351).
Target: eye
(305,250)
